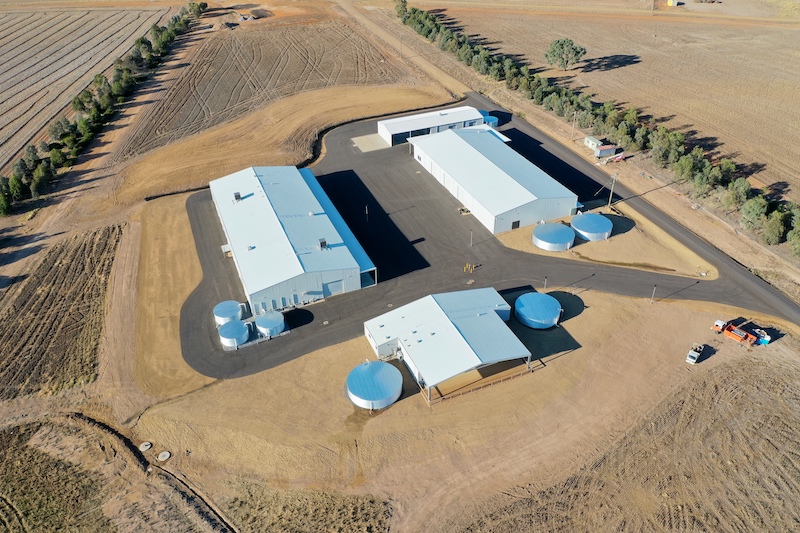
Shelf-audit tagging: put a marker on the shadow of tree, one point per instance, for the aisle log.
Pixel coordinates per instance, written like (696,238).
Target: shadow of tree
(611,62)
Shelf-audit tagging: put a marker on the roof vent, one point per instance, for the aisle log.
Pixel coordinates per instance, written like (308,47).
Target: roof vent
(323,244)
(237,196)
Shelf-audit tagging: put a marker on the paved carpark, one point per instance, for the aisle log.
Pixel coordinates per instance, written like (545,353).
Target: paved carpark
(411,229)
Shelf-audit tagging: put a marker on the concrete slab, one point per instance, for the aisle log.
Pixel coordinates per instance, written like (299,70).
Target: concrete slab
(369,143)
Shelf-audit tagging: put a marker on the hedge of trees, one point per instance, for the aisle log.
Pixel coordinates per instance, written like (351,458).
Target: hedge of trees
(93,107)
(773,221)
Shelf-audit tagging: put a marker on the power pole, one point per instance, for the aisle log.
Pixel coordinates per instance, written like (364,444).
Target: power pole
(572,133)
(611,193)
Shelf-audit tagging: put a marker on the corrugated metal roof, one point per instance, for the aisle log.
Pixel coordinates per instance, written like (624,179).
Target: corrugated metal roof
(275,228)
(430,119)
(494,174)
(451,333)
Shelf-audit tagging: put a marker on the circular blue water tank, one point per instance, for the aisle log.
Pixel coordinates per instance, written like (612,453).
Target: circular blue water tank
(227,311)
(233,333)
(553,237)
(270,323)
(592,227)
(537,310)
(374,385)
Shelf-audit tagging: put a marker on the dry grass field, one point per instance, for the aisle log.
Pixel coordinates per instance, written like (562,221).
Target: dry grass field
(720,453)
(655,249)
(718,80)
(49,56)
(233,73)
(52,325)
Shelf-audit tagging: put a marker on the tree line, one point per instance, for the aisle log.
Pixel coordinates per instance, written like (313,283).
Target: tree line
(94,107)
(773,221)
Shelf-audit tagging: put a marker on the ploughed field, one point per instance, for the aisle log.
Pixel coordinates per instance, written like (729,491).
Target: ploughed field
(235,72)
(51,326)
(717,80)
(49,56)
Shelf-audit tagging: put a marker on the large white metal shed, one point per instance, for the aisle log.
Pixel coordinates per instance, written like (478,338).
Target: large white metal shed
(290,244)
(501,188)
(444,335)
(398,130)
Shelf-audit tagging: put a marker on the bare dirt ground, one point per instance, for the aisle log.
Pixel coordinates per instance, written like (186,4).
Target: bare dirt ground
(719,453)
(49,56)
(654,249)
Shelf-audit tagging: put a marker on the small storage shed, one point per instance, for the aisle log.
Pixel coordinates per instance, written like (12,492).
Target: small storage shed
(442,336)
(592,226)
(553,237)
(605,150)
(591,142)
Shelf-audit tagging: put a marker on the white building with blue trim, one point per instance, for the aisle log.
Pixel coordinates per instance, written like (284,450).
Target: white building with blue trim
(290,245)
(502,189)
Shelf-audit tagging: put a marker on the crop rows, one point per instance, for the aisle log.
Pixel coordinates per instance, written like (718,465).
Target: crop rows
(234,72)
(49,58)
(50,331)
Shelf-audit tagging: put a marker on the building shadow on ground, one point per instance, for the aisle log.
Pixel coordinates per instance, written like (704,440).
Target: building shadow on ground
(388,248)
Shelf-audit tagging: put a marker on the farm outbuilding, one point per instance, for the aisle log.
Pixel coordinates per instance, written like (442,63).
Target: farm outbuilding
(442,336)
(374,385)
(605,150)
(290,245)
(399,130)
(591,142)
(592,226)
(500,187)
(553,237)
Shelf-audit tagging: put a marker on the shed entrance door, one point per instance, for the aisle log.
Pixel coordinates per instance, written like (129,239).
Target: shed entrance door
(515,224)
(329,289)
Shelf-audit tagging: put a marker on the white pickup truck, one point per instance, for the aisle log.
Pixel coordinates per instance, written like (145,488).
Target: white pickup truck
(695,353)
